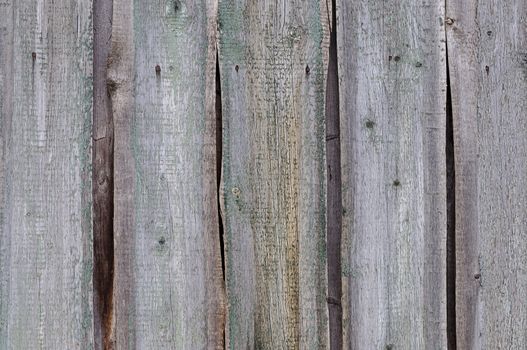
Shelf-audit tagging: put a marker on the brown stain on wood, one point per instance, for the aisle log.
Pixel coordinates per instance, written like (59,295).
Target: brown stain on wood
(274,203)
(275,173)
(103,170)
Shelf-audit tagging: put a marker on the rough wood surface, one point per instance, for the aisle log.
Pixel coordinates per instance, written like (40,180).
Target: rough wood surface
(487,47)
(168,277)
(45,189)
(273,63)
(334,193)
(102,169)
(392,65)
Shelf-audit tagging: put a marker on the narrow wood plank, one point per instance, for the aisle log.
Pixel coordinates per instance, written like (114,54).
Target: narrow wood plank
(487,47)
(46,217)
(102,172)
(273,62)
(6,111)
(391,58)
(334,193)
(168,278)
(464,88)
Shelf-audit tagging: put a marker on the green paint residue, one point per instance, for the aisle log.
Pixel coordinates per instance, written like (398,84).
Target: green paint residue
(232,49)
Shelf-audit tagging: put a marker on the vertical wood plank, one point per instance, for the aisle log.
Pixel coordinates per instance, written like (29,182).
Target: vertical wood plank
(334,193)
(273,62)
(392,65)
(102,170)
(487,47)
(6,111)
(46,217)
(464,82)
(168,280)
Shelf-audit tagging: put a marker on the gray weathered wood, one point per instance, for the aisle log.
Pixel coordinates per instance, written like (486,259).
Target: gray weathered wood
(487,47)
(463,65)
(168,279)
(334,193)
(273,62)
(45,189)
(392,112)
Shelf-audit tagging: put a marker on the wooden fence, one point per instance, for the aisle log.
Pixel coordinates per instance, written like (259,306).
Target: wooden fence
(289,174)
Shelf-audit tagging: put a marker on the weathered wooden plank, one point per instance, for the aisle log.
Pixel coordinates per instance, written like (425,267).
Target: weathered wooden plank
(273,62)
(334,193)
(102,175)
(392,113)
(6,111)
(46,216)
(464,87)
(487,48)
(168,278)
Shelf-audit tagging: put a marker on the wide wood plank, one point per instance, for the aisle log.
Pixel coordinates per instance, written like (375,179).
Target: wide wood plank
(45,189)
(168,278)
(273,63)
(487,47)
(392,65)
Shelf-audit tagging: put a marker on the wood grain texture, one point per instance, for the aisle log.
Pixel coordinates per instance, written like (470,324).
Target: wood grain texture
(45,202)
(102,169)
(487,47)
(334,193)
(392,65)
(168,278)
(273,64)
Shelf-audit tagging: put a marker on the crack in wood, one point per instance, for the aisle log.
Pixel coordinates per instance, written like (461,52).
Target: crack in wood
(219,141)
(451,218)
